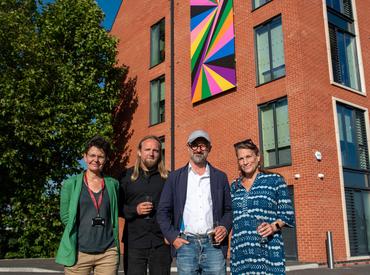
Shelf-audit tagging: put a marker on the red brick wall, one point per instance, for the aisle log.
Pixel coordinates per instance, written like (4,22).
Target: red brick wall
(233,116)
(132,28)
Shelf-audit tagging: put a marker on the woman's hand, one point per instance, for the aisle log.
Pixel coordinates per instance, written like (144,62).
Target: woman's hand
(266,229)
(144,208)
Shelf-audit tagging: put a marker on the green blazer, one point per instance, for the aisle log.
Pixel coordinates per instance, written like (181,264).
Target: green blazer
(69,199)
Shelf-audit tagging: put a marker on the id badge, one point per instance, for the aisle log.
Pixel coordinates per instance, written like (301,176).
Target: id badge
(98,221)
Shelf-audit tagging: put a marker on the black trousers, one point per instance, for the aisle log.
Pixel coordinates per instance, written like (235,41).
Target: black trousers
(158,260)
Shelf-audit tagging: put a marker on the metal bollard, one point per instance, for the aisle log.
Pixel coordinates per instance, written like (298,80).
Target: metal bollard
(329,249)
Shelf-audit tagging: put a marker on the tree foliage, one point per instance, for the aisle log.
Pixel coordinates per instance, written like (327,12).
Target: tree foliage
(59,85)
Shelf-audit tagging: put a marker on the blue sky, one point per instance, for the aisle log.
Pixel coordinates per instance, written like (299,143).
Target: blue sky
(110,9)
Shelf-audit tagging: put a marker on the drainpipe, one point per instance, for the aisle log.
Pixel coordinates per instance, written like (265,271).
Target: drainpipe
(172,85)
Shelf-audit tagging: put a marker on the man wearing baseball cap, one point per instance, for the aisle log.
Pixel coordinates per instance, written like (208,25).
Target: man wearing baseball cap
(194,211)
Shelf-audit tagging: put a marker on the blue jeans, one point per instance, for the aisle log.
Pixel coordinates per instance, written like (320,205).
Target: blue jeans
(200,257)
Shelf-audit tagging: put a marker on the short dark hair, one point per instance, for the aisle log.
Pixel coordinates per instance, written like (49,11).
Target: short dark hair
(99,142)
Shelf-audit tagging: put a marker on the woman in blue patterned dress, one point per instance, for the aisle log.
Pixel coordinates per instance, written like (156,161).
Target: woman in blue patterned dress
(261,207)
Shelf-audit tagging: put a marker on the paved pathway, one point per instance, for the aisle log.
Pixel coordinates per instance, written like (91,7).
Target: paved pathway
(48,266)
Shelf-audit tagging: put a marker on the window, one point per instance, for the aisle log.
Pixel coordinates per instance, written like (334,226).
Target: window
(341,6)
(274,133)
(163,151)
(352,134)
(157,102)
(258,3)
(356,176)
(358,221)
(157,35)
(269,51)
(343,44)
(289,235)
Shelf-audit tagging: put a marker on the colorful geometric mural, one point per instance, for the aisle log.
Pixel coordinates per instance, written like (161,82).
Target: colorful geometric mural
(212,48)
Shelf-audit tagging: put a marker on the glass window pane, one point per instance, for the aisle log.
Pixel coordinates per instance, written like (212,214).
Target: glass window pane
(348,125)
(277,49)
(268,136)
(270,51)
(157,43)
(269,158)
(154,102)
(344,121)
(162,88)
(341,6)
(258,3)
(340,123)
(353,140)
(282,124)
(364,162)
(355,179)
(161,41)
(352,153)
(162,100)
(263,56)
(342,59)
(366,197)
(343,47)
(163,148)
(335,4)
(350,52)
(348,146)
(154,45)
(341,23)
(357,204)
(284,155)
(360,225)
(275,136)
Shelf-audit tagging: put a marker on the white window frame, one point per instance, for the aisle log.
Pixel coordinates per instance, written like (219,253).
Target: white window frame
(358,49)
(336,100)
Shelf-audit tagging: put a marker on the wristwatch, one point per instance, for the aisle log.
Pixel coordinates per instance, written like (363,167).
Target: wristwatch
(277,225)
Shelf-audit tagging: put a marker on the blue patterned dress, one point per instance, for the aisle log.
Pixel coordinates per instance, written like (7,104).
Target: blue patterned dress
(267,200)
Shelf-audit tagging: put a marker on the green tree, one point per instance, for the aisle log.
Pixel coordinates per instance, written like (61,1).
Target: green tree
(59,85)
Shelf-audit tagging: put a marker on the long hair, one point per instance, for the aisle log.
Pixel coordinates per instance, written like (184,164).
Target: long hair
(161,168)
(249,144)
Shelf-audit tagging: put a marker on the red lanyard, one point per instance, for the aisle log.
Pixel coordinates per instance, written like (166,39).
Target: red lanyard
(96,204)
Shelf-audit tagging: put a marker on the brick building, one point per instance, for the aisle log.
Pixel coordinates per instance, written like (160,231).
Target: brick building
(302,76)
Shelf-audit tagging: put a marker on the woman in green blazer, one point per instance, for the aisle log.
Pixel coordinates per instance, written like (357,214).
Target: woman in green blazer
(89,211)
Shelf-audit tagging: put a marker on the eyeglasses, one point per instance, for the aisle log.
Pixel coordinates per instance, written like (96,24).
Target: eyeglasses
(201,146)
(93,156)
(245,142)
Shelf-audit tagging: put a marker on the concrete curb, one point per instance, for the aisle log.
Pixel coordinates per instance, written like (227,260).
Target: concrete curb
(173,269)
(28,270)
(301,267)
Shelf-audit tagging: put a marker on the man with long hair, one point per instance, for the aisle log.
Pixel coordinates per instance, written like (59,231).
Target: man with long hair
(141,187)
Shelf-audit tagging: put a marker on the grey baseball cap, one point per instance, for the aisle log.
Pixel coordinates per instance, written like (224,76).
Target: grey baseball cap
(198,134)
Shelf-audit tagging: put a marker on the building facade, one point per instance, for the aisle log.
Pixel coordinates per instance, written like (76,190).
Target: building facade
(302,74)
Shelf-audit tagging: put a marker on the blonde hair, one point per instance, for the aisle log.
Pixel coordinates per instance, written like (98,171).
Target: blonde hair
(161,168)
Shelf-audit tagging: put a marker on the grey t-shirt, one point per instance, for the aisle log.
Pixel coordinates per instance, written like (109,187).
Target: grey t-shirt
(98,238)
